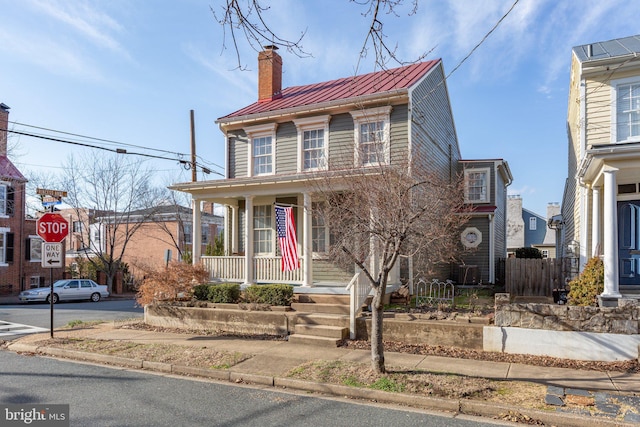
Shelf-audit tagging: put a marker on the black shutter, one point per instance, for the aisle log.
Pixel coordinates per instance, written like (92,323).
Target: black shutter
(11,196)
(9,257)
(27,249)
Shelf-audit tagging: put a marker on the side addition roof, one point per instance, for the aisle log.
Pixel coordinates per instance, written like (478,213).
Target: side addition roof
(376,83)
(626,46)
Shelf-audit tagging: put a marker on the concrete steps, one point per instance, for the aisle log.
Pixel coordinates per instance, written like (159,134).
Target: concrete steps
(322,319)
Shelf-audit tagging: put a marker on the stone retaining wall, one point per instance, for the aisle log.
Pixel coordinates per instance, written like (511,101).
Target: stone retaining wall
(624,319)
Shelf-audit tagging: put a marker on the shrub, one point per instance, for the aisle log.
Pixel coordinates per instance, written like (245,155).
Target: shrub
(201,292)
(269,294)
(584,290)
(174,282)
(224,293)
(528,253)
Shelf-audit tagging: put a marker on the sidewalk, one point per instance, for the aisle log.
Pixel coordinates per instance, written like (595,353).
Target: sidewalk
(273,359)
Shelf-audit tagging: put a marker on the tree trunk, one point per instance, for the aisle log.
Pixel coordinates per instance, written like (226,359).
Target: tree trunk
(377,347)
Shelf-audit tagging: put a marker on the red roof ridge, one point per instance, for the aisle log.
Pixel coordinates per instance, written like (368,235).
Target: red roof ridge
(372,83)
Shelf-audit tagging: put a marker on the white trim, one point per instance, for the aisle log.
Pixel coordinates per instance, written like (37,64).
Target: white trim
(308,124)
(372,115)
(487,171)
(614,109)
(468,243)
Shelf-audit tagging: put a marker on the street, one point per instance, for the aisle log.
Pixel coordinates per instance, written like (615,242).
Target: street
(102,396)
(38,314)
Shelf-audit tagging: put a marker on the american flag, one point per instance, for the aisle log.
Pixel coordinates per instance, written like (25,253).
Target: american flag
(286,229)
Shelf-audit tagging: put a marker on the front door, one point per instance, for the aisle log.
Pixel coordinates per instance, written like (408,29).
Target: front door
(629,244)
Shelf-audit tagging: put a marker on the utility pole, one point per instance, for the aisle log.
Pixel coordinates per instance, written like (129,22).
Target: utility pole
(194,173)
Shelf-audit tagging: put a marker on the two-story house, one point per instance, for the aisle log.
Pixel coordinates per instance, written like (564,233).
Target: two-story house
(601,204)
(278,144)
(20,246)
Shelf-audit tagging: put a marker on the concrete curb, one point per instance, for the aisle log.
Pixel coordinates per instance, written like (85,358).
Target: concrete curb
(462,406)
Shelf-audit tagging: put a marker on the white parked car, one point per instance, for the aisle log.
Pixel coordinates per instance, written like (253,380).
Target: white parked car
(63,290)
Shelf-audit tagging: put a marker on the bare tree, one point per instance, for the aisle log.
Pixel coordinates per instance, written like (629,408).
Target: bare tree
(378,213)
(114,197)
(249,19)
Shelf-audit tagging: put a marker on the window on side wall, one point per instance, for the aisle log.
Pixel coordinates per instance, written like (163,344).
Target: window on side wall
(371,134)
(533,223)
(261,149)
(312,142)
(626,111)
(6,246)
(34,248)
(7,199)
(476,185)
(262,229)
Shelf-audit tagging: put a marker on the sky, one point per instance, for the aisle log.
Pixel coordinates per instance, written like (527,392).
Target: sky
(128,72)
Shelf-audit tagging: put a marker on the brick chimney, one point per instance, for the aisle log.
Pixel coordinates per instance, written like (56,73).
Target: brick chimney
(269,74)
(4,125)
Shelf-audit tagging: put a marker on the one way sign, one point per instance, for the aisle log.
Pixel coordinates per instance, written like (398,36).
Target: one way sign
(52,255)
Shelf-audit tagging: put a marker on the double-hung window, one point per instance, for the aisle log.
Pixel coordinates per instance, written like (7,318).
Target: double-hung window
(6,246)
(626,109)
(312,142)
(7,195)
(262,229)
(371,128)
(261,149)
(319,231)
(476,185)
(34,248)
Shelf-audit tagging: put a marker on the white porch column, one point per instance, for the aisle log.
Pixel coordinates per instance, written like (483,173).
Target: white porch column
(196,231)
(492,249)
(611,284)
(234,229)
(307,248)
(595,223)
(248,241)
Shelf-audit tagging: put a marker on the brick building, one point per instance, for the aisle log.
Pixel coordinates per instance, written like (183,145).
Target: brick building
(20,247)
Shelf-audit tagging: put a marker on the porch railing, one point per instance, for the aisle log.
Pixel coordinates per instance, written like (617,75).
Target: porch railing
(359,289)
(265,270)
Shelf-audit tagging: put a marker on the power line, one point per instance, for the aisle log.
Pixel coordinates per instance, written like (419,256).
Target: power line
(185,163)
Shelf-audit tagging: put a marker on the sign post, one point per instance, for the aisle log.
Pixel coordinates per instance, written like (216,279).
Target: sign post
(53,229)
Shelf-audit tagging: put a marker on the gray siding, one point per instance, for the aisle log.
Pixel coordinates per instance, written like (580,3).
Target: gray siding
(341,149)
(238,151)
(399,134)
(500,225)
(286,147)
(433,134)
(480,256)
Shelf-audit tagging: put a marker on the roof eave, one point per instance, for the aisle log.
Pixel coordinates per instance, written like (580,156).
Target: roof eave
(387,96)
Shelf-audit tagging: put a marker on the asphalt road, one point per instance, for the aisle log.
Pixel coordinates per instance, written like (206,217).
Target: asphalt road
(39,314)
(102,396)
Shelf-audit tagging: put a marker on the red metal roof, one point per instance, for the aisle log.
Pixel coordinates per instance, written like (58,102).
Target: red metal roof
(345,88)
(9,171)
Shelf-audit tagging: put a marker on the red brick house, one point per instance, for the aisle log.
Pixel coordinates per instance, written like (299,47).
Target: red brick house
(20,247)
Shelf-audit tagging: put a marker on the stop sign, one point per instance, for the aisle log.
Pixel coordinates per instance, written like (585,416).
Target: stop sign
(52,227)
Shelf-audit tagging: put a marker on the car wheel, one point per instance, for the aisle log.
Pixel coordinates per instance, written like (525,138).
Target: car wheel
(95,297)
(55,298)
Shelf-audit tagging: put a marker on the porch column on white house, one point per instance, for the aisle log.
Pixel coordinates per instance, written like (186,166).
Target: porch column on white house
(492,249)
(595,222)
(196,231)
(307,249)
(611,284)
(234,229)
(248,240)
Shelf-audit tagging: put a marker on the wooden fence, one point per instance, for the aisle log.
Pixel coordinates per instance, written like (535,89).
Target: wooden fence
(534,277)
